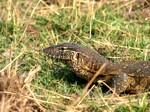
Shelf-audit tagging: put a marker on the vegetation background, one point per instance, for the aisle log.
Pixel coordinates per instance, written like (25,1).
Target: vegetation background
(30,81)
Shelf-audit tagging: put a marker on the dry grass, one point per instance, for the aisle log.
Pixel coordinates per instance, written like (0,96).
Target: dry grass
(29,83)
(16,93)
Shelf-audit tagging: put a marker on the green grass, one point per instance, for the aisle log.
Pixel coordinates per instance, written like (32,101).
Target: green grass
(29,26)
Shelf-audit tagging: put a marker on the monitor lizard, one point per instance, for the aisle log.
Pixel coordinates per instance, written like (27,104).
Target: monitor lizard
(120,76)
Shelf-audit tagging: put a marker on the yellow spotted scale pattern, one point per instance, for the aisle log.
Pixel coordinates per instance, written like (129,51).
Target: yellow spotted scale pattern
(85,62)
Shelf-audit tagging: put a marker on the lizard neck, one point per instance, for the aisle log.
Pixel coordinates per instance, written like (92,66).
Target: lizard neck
(113,68)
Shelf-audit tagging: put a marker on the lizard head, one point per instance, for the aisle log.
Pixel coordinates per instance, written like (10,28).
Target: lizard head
(82,59)
(64,51)
(74,52)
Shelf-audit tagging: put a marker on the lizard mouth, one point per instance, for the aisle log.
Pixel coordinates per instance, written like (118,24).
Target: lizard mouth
(45,51)
(49,52)
(56,55)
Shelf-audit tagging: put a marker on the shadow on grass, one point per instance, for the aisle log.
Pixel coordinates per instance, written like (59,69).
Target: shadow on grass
(66,74)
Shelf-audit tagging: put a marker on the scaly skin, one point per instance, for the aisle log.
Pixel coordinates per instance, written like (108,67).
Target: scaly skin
(129,77)
(121,76)
(84,61)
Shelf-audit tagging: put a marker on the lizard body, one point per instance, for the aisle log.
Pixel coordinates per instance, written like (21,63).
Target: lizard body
(120,76)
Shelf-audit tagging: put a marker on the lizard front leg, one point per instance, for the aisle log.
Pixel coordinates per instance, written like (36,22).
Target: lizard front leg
(118,82)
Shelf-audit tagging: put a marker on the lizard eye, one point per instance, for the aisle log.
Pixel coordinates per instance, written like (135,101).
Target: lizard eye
(62,49)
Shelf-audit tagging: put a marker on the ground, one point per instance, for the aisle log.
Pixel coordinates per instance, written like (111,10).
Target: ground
(119,29)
